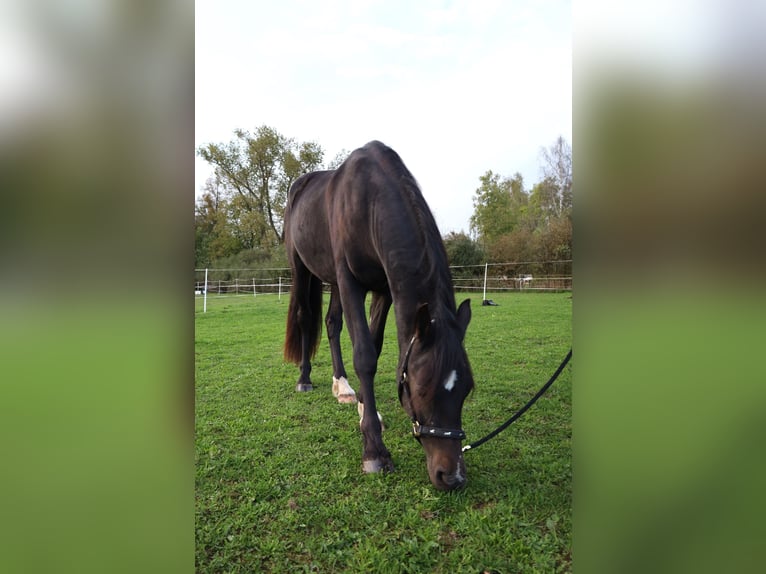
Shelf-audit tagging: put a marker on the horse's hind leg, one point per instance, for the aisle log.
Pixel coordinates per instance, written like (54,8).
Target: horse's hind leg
(341,390)
(304,318)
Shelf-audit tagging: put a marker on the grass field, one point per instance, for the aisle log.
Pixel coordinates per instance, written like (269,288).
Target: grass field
(279,485)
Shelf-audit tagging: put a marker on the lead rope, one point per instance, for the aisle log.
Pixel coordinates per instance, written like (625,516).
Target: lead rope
(523,409)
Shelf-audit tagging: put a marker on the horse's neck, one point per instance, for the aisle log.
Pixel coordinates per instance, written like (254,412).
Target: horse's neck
(405,310)
(417,280)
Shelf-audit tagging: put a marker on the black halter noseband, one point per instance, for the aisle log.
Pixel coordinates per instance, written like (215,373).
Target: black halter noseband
(418,429)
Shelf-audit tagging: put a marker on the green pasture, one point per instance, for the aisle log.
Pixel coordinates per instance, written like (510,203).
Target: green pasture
(279,485)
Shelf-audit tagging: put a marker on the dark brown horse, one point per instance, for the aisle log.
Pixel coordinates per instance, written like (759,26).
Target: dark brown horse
(366,227)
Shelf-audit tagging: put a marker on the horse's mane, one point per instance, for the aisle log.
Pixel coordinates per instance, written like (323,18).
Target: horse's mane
(434,257)
(438,278)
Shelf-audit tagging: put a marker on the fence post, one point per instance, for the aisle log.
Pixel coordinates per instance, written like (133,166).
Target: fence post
(485,282)
(204,294)
(253,286)
(280,289)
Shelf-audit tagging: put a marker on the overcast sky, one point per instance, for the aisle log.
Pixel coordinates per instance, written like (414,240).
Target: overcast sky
(455,87)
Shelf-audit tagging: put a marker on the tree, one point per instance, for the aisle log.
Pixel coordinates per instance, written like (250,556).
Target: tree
(214,234)
(491,208)
(462,250)
(516,225)
(256,172)
(520,245)
(499,204)
(543,205)
(557,170)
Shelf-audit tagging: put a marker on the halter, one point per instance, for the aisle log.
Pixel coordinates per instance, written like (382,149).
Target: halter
(418,429)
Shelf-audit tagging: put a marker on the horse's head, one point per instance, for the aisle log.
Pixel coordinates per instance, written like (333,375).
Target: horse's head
(434,381)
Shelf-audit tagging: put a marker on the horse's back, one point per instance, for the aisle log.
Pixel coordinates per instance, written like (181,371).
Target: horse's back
(368,215)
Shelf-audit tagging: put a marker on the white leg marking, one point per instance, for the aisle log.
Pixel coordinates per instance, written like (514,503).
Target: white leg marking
(449,383)
(360,410)
(342,391)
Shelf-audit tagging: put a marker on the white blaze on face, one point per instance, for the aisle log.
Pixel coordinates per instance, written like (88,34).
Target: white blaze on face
(449,383)
(459,473)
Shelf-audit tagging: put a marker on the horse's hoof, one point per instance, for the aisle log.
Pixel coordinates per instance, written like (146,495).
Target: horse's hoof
(377,465)
(342,391)
(303,387)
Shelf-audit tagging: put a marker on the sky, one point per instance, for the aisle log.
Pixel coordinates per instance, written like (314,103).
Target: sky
(457,88)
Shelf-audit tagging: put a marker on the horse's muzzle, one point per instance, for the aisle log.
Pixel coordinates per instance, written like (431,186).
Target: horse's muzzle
(445,478)
(449,481)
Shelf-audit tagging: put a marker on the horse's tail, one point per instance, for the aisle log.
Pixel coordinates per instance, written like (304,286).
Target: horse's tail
(304,316)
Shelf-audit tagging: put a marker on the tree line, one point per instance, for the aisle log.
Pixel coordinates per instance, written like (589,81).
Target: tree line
(511,223)
(239,218)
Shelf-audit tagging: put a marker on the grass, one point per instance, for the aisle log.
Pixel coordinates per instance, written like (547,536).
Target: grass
(279,485)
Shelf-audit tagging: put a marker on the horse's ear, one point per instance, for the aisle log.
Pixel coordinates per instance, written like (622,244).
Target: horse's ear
(464,316)
(423,322)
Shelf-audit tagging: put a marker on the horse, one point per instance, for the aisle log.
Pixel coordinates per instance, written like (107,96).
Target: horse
(365,227)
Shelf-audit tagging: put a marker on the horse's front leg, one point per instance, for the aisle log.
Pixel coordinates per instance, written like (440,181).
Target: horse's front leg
(375,455)
(381,303)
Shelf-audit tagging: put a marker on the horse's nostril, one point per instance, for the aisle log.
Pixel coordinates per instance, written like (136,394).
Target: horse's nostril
(449,481)
(457,481)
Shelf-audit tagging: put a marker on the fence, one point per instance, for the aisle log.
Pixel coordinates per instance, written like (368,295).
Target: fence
(514,276)
(245,286)
(487,278)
